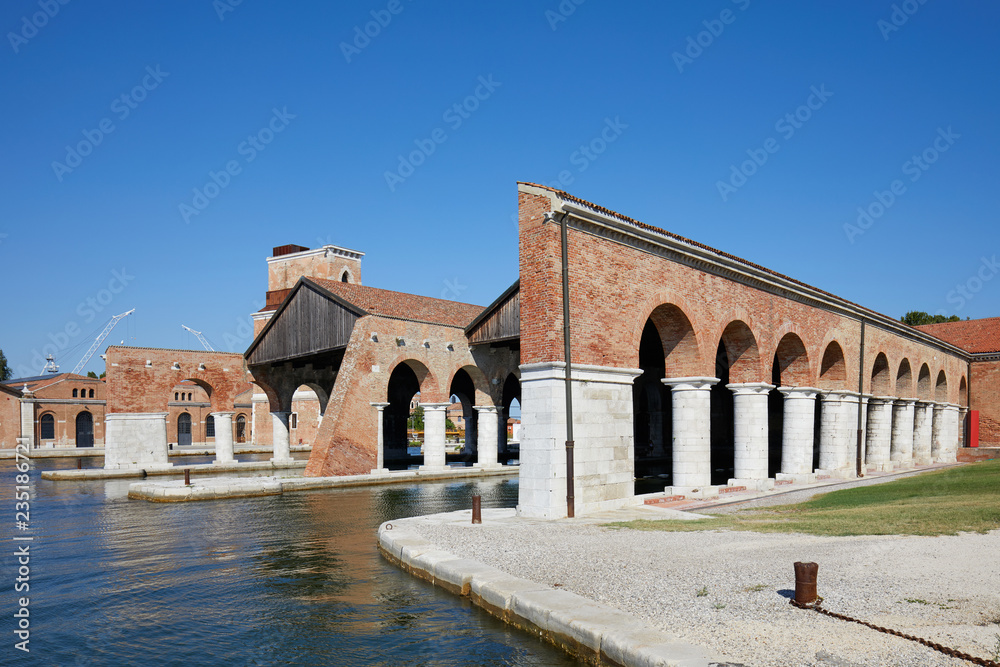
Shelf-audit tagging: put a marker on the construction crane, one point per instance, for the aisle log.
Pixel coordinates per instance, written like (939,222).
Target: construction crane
(100,339)
(200,338)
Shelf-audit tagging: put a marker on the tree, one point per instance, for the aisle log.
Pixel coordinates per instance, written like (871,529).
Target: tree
(416,420)
(92,374)
(915,318)
(5,371)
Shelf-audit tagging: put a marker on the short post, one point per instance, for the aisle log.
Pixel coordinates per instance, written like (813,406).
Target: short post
(477,509)
(79,464)
(187,476)
(805,583)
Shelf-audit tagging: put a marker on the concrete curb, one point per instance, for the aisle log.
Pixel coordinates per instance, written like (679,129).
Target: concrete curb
(98,452)
(196,469)
(219,488)
(590,631)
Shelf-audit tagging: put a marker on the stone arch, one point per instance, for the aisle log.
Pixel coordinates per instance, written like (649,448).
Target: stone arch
(206,386)
(742,354)
(511,392)
(941,387)
(792,361)
(463,387)
(924,383)
(904,379)
(963,392)
(833,367)
(405,382)
(47,426)
(681,352)
(84,429)
(881,376)
(481,384)
(430,390)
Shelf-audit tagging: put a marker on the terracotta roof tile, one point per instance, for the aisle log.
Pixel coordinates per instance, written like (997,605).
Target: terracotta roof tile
(974,336)
(402,306)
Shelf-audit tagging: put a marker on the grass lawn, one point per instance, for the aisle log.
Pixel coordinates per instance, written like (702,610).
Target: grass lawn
(944,502)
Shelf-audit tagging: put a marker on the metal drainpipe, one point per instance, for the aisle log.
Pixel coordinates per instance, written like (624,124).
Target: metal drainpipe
(570,482)
(861,391)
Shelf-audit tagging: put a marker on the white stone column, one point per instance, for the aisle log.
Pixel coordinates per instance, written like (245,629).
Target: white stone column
(380,455)
(949,444)
(434,435)
(224,437)
(28,418)
(281,452)
(937,431)
(750,434)
(878,440)
(691,398)
(838,433)
(901,449)
(963,416)
(797,434)
(486,439)
(923,417)
(135,440)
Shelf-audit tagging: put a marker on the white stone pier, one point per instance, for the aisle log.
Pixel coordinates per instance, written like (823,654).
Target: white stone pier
(901,450)
(797,434)
(949,445)
(486,442)
(938,434)
(750,420)
(380,456)
(878,439)
(135,440)
(223,437)
(838,433)
(691,398)
(923,417)
(280,437)
(434,436)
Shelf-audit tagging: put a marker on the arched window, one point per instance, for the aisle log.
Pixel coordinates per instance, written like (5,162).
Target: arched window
(210,427)
(74,393)
(293,420)
(48,429)
(176,395)
(241,429)
(189,397)
(343,278)
(91,394)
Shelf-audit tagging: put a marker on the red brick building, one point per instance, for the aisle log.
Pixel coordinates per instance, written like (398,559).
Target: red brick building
(63,410)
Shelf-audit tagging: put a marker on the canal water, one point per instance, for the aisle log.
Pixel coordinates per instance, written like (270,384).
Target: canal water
(283,580)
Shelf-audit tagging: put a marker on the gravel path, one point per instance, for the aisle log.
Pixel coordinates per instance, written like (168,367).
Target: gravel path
(729,591)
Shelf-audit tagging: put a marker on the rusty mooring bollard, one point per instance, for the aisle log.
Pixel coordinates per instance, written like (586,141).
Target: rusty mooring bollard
(805,583)
(187,481)
(477,509)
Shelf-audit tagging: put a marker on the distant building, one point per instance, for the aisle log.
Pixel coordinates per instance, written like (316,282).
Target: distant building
(59,410)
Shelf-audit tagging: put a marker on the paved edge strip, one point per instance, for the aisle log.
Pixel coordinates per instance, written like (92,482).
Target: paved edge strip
(222,488)
(196,469)
(588,630)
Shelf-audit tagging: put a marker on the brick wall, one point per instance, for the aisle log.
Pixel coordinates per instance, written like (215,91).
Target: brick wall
(986,399)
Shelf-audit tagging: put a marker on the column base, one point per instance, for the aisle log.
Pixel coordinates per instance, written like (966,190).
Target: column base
(223,461)
(836,474)
(923,461)
(796,478)
(283,460)
(380,471)
(881,467)
(695,492)
(487,466)
(432,468)
(753,484)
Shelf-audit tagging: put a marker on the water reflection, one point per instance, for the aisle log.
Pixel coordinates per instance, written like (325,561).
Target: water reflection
(293,579)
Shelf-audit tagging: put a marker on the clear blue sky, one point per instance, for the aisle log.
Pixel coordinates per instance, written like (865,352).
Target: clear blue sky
(681,115)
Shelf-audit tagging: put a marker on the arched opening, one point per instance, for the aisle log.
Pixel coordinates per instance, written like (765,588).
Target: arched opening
(307,405)
(652,417)
(462,422)
(941,388)
(924,383)
(344,277)
(775,420)
(833,368)
(723,455)
(75,391)
(963,393)
(789,368)
(402,420)
(509,446)
(904,380)
(84,429)
(183,430)
(881,376)
(90,393)
(47,428)
(241,429)
(682,357)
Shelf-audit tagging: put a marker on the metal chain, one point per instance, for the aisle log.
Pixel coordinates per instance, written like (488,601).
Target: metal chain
(816,606)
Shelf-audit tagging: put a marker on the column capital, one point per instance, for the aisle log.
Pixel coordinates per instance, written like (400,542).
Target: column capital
(690,383)
(486,408)
(380,406)
(223,413)
(881,400)
(279,413)
(435,406)
(903,402)
(750,388)
(799,392)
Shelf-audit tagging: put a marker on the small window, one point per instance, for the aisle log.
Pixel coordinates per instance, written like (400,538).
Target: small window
(74,393)
(91,394)
(189,397)
(210,427)
(48,427)
(293,420)
(343,278)
(176,395)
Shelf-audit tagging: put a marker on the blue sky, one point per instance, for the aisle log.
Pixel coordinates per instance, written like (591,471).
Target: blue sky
(676,114)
